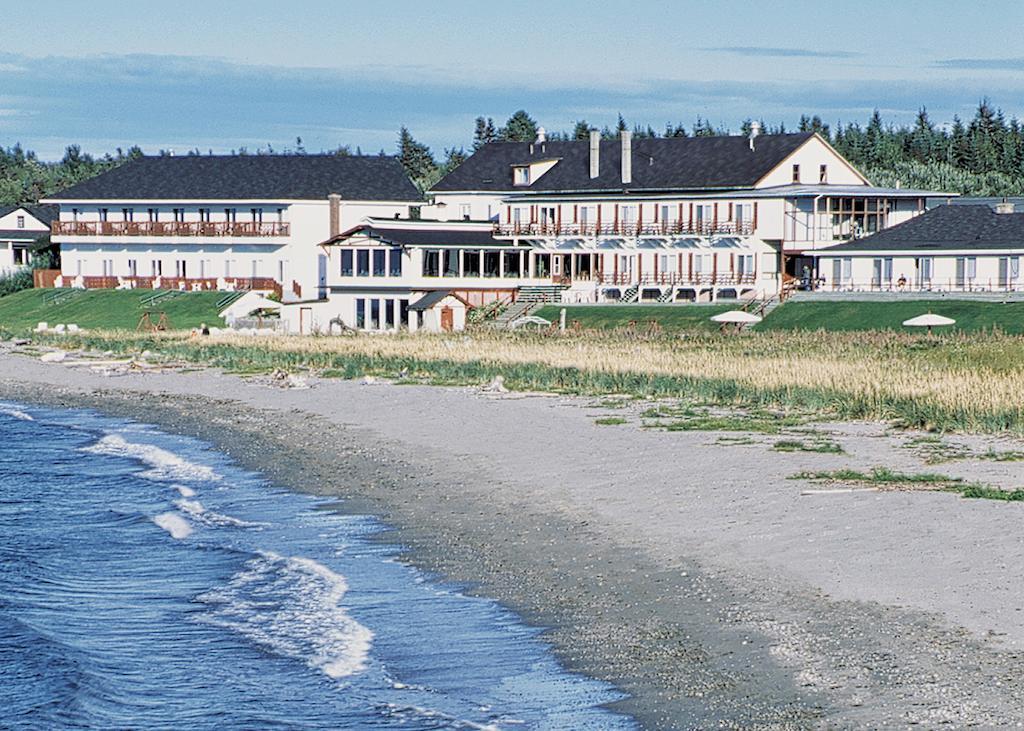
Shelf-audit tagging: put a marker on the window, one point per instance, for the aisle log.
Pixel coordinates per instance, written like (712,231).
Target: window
(280,215)
(104,213)
(823,174)
(627,214)
(133,268)
(521,175)
(204,215)
(451,262)
(403,313)
(227,268)
(796,173)
(431,263)
(374,323)
(127,214)
(362,262)
(587,214)
(471,263)
(542,266)
(360,313)
(389,313)
(548,216)
(346,262)
(512,263)
(257,215)
(157,267)
(255,268)
(465,211)
(517,215)
(743,213)
(924,271)
(74,214)
(20,254)
(180,270)
(492,263)
(282,267)
(698,264)
(395,262)
(745,265)
(881,273)
(379,262)
(230,215)
(21,222)
(154,214)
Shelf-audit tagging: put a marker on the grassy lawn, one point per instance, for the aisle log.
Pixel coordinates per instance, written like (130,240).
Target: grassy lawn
(107,309)
(607,317)
(969,316)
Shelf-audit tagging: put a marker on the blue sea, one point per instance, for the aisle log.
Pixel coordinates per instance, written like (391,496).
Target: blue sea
(148,582)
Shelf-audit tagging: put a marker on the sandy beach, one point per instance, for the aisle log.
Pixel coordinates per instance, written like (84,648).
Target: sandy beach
(694,575)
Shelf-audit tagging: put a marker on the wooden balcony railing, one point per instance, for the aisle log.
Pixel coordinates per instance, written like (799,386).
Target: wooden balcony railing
(183,284)
(674,279)
(167,228)
(671,228)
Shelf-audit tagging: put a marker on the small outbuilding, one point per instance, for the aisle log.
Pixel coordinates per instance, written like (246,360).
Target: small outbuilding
(438,311)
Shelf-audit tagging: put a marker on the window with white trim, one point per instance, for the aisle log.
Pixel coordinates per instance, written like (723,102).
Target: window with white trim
(521,175)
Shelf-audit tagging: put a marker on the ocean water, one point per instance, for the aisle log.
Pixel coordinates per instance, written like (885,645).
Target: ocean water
(147,582)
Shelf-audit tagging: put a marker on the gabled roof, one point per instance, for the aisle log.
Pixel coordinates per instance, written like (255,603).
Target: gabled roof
(423,233)
(667,163)
(44,214)
(432,298)
(249,177)
(960,228)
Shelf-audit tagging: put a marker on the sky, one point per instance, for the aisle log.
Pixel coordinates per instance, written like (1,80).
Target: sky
(225,75)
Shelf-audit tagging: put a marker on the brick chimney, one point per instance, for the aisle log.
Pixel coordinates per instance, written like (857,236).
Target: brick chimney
(595,153)
(627,157)
(334,203)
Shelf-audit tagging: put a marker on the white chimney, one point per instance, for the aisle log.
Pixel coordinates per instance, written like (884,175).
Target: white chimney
(755,130)
(595,153)
(542,135)
(627,157)
(1005,207)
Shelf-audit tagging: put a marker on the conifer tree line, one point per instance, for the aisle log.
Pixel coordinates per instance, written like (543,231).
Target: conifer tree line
(981,157)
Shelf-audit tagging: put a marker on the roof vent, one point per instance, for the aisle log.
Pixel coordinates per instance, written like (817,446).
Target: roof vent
(755,130)
(542,135)
(1005,207)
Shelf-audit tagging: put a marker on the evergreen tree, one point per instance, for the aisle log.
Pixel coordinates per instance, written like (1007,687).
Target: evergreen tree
(581,131)
(520,127)
(417,160)
(485,132)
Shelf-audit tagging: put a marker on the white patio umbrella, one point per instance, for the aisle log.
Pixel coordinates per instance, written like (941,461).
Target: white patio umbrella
(929,321)
(739,318)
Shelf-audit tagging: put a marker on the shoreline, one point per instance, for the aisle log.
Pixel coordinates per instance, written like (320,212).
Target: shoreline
(695,638)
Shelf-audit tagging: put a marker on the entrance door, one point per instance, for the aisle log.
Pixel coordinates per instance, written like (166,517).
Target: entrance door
(305,320)
(447,319)
(1004,272)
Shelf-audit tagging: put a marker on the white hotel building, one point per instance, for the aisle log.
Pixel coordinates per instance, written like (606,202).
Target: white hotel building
(645,220)
(221,222)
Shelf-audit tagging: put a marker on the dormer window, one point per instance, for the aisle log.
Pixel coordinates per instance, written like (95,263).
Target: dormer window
(521,175)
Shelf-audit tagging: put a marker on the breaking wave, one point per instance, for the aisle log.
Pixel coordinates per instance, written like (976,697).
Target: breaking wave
(163,465)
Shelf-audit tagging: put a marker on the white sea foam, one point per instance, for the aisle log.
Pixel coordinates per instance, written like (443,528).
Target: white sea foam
(174,524)
(15,413)
(164,465)
(185,491)
(197,511)
(292,606)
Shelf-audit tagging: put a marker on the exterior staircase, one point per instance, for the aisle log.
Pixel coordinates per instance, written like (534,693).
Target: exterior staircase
(667,295)
(514,312)
(540,293)
(631,294)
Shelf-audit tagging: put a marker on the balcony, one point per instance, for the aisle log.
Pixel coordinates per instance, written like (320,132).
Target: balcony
(673,279)
(670,228)
(167,228)
(182,284)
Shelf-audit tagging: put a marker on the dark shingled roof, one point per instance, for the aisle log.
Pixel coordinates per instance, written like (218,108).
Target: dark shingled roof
(962,227)
(44,214)
(671,163)
(249,177)
(424,235)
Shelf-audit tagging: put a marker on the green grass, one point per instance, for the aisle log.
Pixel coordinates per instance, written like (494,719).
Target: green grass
(822,446)
(611,421)
(993,493)
(107,309)
(882,476)
(970,316)
(608,317)
(700,418)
